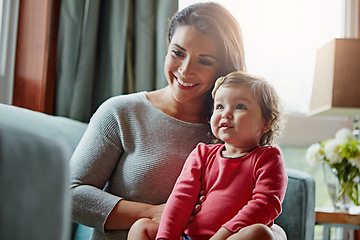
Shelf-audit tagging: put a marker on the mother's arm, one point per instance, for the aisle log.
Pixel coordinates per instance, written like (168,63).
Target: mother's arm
(92,165)
(133,211)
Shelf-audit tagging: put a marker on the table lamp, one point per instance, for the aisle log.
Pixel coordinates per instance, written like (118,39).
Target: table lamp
(336,86)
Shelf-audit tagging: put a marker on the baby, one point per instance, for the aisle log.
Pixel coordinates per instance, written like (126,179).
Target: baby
(243,177)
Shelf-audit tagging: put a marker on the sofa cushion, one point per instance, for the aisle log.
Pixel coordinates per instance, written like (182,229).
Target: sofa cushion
(298,213)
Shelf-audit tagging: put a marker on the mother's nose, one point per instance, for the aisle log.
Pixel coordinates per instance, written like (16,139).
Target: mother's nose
(187,68)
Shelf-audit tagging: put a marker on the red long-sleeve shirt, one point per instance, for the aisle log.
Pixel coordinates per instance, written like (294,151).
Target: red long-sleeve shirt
(239,192)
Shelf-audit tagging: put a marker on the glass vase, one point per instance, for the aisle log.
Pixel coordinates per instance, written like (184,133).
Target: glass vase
(341,202)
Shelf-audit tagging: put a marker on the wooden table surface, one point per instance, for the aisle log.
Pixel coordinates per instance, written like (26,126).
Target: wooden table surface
(337,217)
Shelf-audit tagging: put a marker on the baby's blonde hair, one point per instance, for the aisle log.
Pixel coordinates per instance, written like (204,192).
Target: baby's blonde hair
(265,93)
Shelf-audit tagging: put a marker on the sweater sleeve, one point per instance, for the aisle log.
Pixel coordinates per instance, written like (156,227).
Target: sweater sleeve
(183,198)
(270,187)
(91,166)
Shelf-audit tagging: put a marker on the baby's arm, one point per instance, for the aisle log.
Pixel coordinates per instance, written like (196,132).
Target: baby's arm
(182,200)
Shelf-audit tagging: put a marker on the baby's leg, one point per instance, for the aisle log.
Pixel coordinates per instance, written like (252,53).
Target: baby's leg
(254,232)
(143,229)
(278,232)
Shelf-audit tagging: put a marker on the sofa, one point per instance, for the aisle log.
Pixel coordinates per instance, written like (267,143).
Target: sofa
(34,176)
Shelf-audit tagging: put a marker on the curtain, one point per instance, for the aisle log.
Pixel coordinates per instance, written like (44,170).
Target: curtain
(108,48)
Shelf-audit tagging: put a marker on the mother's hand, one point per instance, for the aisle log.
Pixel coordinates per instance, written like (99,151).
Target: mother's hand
(157,211)
(125,213)
(197,208)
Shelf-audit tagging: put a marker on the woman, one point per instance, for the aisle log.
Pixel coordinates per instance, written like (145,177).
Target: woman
(128,160)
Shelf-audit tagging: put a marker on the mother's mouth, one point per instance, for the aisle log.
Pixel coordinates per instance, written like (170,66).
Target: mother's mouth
(186,84)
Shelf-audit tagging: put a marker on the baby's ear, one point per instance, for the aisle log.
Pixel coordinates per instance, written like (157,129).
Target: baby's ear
(266,127)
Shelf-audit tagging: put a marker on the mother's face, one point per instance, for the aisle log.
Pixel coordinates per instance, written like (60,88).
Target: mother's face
(192,64)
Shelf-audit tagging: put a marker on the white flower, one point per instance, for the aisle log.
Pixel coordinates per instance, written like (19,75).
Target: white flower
(342,154)
(356,160)
(344,135)
(313,154)
(331,151)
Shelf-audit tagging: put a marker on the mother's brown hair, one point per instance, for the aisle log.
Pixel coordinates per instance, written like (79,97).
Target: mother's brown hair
(215,20)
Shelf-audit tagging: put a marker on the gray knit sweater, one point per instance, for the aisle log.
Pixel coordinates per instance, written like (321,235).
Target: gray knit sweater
(131,150)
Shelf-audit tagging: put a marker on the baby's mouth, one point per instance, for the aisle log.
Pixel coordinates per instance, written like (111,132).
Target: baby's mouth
(224,125)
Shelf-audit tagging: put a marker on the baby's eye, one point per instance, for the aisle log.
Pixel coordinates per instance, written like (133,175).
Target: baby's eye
(241,107)
(219,106)
(178,53)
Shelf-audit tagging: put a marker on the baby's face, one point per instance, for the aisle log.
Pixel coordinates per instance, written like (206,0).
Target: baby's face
(237,118)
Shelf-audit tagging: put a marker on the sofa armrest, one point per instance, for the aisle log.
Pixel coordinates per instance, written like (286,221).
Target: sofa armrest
(34,180)
(298,209)
(65,129)
(34,152)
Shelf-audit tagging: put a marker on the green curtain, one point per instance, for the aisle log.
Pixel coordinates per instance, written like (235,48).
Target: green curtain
(107,48)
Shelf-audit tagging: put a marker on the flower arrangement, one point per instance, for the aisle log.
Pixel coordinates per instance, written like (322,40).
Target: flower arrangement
(342,153)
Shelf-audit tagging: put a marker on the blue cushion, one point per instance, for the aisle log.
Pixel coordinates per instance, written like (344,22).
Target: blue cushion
(82,232)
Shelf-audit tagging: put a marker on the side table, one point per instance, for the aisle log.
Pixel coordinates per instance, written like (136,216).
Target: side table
(330,219)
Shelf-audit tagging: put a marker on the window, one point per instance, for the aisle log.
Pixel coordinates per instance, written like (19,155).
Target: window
(8,30)
(2,39)
(1,10)
(281,38)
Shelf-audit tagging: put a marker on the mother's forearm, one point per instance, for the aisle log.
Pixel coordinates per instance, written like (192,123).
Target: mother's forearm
(125,213)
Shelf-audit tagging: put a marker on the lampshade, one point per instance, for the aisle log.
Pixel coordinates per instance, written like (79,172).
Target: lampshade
(336,86)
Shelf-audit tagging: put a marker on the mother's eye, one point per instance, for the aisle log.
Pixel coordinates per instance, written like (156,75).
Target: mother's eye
(205,62)
(178,53)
